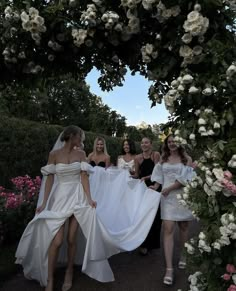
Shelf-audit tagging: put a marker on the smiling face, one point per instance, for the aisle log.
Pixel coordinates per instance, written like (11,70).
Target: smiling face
(171,144)
(146,144)
(126,147)
(100,146)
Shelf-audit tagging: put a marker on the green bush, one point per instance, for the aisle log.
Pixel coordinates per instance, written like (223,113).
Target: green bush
(24,147)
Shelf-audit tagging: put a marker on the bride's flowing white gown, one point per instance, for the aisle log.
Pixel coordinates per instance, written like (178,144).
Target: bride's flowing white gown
(124,214)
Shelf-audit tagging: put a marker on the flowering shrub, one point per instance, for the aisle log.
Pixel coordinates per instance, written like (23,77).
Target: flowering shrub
(187,50)
(17,207)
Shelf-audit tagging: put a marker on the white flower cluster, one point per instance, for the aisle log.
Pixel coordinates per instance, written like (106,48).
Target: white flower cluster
(148,53)
(178,86)
(110,18)
(131,4)
(88,17)
(231,4)
(197,282)
(163,13)
(207,122)
(196,24)
(178,139)
(231,71)
(227,231)
(232,162)
(33,23)
(203,244)
(11,14)
(191,56)
(80,35)
(9,55)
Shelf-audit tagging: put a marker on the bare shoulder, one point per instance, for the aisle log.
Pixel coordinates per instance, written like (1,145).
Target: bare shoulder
(52,157)
(81,154)
(139,158)
(189,160)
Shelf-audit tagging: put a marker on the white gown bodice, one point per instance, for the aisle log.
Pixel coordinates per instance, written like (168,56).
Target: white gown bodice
(122,164)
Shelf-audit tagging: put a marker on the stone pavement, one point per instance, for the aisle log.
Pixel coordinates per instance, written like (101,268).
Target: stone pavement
(132,273)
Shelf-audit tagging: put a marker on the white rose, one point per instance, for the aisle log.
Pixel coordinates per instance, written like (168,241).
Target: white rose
(207,91)
(179,196)
(197,50)
(216,246)
(187,79)
(185,51)
(187,38)
(177,132)
(210,132)
(181,88)
(197,7)
(231,70)
(224,219)
(24,17)
(197,112)
(201,121)
(202,129)
(185,196)
(149,48)
(174,83)
(192,136)
(231,217)
(193,16)
(201,235)
(216,125)
(193,90)
(209,181)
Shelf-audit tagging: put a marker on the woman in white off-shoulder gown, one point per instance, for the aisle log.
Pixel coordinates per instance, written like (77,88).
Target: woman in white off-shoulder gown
(120,222)
(173,172)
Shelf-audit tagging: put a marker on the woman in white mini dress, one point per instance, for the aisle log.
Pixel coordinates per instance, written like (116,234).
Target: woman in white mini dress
(173,172)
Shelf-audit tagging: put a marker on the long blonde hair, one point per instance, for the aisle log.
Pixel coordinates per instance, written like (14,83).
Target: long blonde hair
(99,138)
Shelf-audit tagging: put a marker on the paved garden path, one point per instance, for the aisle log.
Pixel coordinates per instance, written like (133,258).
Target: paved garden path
(132,273)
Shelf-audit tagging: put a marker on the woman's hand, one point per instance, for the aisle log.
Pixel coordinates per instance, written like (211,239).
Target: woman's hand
(92,203)
(166,191)
(40,208)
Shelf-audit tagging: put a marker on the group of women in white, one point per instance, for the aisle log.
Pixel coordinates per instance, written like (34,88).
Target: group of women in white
(89,210)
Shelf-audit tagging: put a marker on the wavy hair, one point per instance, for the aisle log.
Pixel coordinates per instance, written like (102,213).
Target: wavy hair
(99,138)
(166,152)
(132,148)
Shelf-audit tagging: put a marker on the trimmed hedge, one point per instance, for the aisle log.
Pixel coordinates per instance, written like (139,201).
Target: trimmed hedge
(24,147)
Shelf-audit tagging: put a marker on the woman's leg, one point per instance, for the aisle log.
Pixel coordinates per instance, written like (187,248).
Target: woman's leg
(168,240)
(183,231)
(71,241)
(52,257)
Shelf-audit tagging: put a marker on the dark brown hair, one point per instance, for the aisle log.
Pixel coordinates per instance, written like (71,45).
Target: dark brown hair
(132,148)
(72,130)
(166,152)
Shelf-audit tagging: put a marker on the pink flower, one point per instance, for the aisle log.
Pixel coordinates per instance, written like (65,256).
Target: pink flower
(228,175)
(226,277)
(230,268)
(232,288)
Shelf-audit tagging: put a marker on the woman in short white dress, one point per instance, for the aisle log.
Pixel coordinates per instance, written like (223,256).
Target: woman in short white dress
(172,173)
(126,160)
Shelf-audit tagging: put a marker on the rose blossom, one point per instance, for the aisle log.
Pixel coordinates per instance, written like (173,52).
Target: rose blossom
(226,277)
(230,268)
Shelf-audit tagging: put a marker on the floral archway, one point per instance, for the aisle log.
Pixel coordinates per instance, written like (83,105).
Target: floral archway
(188,50)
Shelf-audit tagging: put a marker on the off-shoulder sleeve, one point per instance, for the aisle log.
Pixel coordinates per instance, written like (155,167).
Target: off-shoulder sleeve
(157,174)
(86,167)
(187,173)
(48,170)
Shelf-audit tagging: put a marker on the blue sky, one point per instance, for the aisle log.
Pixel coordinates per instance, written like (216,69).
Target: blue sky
(131,100)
